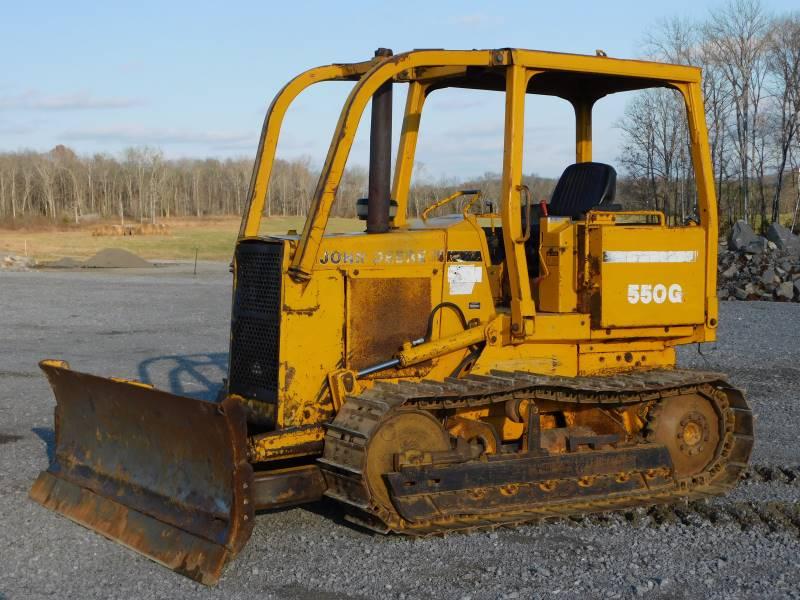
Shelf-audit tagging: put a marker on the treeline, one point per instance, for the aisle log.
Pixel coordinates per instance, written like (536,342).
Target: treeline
(62,186)
(142,185)
(751,88)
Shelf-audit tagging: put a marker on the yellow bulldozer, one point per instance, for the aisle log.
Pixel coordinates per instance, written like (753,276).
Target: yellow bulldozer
(465,370)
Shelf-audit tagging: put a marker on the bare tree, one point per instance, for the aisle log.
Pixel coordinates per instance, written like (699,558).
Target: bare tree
(751,84)
(654,126)
(783,59)
(736,36)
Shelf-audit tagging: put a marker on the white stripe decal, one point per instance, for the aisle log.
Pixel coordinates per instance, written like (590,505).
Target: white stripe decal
(650,256)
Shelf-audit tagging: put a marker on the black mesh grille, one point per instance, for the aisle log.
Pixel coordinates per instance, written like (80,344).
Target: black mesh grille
(255,327)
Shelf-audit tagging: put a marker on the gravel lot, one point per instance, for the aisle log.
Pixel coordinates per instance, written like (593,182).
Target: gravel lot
(169,327)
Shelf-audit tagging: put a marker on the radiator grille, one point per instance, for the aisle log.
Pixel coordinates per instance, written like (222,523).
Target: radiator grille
(255,327)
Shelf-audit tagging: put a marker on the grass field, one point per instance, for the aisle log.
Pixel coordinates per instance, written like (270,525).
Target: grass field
(213,237)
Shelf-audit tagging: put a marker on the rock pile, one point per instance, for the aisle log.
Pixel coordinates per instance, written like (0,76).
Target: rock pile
(752,267)
(12,262)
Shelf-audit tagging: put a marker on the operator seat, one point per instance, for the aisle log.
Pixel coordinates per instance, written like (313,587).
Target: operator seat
(581,187)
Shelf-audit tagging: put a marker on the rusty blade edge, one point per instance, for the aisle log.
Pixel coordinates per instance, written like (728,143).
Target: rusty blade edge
(161,542)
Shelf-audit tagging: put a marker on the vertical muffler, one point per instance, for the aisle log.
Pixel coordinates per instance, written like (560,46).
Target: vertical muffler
(379,202)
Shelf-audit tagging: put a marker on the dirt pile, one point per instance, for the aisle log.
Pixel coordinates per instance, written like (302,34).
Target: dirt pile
(752,267)
(115,258)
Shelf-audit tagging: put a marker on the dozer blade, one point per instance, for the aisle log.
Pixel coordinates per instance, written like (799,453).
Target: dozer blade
(162,474)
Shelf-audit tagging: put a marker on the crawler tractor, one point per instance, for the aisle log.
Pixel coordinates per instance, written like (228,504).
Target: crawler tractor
(464,370)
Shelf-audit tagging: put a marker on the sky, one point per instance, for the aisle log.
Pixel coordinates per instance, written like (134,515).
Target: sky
(195,78)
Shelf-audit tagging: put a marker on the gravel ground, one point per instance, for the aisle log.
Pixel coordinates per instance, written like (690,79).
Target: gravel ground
(170,327)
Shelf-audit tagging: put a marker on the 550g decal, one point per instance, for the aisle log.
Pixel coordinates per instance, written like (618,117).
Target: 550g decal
(645,293)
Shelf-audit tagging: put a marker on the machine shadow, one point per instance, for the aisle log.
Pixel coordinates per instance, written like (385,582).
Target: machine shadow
(200,376)
(326,508)
(48,436)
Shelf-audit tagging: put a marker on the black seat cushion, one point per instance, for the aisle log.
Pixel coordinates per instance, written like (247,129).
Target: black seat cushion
(582,187)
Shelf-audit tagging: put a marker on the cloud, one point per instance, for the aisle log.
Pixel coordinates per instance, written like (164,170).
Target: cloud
(145,135)
(35,100)
(476,20)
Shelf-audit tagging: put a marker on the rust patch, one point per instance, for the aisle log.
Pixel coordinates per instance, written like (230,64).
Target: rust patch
(285,487)
(305,312)
(290,371)
(595,304)
(383,314)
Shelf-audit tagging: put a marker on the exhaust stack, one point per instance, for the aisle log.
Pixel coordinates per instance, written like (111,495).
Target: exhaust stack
(380,156)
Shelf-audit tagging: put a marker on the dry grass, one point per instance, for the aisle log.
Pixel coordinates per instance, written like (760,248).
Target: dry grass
(213,237)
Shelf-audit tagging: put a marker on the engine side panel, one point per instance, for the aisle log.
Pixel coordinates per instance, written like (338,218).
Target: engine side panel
(648,276)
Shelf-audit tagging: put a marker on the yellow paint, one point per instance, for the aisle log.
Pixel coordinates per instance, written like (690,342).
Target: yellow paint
(52,362)
(510,431)
(283,443)
(311,345)
(552,327)
(408,144)
(558,286)
(412,355)
(539,358)
(583,130)
(628,357)
(522,308)
(680,333)
(341,383)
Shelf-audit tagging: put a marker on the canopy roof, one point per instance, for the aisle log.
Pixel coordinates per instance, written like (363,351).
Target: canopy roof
(569,76)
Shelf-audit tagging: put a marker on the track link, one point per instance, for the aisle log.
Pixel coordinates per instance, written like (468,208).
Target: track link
(348,435)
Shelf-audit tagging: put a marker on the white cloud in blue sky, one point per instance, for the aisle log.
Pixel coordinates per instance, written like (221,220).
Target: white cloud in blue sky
(196,77)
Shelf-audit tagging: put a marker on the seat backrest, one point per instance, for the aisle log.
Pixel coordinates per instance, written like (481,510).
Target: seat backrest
(582,187)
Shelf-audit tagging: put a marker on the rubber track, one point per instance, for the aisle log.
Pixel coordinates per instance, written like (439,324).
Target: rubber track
(344,453)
